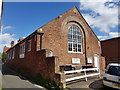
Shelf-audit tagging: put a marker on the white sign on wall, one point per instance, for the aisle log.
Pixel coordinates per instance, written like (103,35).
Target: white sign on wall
(89,60)
(75,60)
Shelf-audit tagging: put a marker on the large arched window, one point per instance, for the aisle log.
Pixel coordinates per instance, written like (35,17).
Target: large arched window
(74,39)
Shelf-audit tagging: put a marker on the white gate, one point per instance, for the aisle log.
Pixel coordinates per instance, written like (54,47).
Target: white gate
(83,76)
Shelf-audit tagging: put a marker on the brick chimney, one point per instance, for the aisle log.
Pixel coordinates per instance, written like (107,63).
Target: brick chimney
(20,39)
(5,49)
(12,43)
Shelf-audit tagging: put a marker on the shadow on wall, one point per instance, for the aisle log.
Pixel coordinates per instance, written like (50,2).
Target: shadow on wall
(8,71)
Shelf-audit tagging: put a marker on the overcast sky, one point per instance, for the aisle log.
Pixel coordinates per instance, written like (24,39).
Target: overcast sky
(22,18)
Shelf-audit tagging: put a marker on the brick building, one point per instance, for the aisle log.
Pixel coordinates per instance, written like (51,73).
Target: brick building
(110,50)
(5,49)
(66,40)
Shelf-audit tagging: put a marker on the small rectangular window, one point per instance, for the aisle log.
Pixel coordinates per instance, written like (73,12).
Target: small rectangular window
(29,47)
(13,53)
(22,50)
(10,54)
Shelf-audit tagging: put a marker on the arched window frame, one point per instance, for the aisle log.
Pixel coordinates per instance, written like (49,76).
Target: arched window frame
(74,39)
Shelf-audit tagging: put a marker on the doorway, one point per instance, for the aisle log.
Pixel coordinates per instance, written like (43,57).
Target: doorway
(96,61)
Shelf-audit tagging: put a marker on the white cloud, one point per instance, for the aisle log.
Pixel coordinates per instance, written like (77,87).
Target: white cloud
(5,40)
(102,37)
(114,34)
(7,27)
(104,17)
(6,37)
(110,35)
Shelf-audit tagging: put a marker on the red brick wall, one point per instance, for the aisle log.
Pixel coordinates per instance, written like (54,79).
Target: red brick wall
(55,38)
(25,64)
(39,64)
(110,50)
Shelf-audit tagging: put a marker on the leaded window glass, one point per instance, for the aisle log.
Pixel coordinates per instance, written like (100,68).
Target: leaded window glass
(74,39)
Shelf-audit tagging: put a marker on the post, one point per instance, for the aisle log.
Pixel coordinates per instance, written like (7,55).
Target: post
(85,75)
(99,72)
(60,80)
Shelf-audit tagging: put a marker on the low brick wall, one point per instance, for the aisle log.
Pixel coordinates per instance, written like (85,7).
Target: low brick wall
(43,64)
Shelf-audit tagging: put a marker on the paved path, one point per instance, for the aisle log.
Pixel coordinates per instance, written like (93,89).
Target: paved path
(91,84)
(10,79)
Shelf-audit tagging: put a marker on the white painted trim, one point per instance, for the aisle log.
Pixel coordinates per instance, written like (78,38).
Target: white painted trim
(79,77)
(75,52)
(80,70)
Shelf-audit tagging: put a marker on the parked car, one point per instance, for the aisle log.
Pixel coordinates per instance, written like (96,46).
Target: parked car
(112,76)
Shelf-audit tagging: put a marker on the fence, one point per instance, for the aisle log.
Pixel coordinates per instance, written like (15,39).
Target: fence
(83,76)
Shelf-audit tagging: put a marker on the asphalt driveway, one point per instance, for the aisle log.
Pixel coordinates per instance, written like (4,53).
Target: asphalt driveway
(10,79)
(92,84)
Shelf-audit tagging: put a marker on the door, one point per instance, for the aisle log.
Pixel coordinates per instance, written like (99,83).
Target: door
(96,61)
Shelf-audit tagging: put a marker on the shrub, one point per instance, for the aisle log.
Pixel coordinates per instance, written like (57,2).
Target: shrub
(47,83)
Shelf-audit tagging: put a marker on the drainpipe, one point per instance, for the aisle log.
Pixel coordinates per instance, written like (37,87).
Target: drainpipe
(85,48)
(41,34)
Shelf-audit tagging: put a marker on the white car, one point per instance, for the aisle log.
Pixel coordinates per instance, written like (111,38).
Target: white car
(112,76)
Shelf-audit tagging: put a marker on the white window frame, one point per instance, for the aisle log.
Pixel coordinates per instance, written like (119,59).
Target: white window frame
(75,30)
(22,50)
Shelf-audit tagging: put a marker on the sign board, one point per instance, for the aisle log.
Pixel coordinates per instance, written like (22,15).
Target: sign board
(75,60)
(89,60)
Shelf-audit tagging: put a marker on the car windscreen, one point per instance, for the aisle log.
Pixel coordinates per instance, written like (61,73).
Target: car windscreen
(114,70)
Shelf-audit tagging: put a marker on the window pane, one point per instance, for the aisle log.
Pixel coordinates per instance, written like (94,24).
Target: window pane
(75,47)
(70,46)
(69,36)
(69,40)
(73,32)
(79,48)
(78,32)
(79,39)
(70,31)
